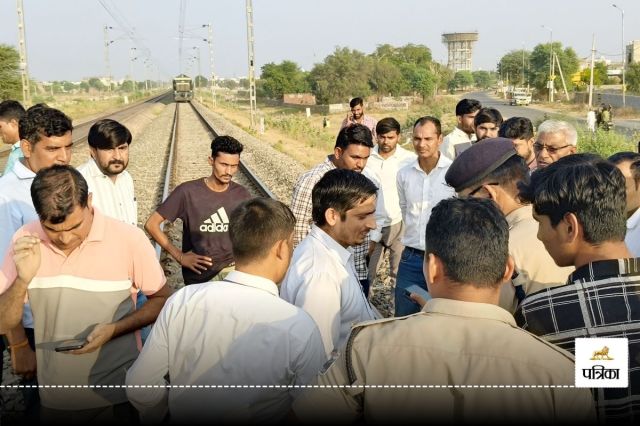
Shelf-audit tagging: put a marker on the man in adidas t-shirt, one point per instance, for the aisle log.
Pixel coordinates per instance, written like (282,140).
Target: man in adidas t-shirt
(203,205)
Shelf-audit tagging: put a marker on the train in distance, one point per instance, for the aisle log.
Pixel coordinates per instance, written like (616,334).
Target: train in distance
(182,88)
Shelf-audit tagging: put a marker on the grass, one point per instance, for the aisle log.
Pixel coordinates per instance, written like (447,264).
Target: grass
(604,143)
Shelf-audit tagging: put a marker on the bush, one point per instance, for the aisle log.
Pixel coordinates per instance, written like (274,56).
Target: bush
(604,143)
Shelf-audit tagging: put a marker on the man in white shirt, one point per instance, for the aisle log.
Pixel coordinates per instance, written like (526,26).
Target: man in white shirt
(464,132)
(322,278)
(106,174)
(231,332)
(382,167)
(629,165)
(421,185)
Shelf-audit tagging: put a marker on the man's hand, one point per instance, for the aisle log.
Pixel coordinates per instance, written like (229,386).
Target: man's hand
(418,299)
(23,361)
(195,262)
(100,335)
(27,257)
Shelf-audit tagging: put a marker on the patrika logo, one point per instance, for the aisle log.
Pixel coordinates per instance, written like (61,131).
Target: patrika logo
(602,354)
(602,362)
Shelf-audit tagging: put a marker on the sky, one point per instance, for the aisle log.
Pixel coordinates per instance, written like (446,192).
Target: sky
(65,38)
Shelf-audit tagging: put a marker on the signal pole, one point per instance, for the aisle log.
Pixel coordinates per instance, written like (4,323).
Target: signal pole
(252,80)
(22,50)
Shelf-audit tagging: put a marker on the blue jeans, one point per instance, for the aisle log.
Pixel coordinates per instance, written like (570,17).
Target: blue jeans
(144,331)
(410,279)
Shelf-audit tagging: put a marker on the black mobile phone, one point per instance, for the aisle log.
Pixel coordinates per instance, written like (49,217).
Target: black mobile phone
(70,345)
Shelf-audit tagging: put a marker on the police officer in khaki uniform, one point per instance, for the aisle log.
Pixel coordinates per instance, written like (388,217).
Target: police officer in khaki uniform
(492,169)
(461,339)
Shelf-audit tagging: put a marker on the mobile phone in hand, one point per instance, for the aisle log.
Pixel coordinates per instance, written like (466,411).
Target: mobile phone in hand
(70,345)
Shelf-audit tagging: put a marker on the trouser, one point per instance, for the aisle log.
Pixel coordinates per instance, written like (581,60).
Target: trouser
(390,242)
(410,280)
(118,414)
(30,394)
(224,272)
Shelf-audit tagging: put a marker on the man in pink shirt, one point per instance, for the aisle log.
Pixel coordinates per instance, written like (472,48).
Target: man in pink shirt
(357,116)
(81,271)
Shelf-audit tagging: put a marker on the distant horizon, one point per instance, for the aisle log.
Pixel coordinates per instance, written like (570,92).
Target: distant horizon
(304,32)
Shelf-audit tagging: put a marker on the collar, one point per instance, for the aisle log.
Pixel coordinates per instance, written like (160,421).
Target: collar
(254,281)
(330,244)
(15,146)
(95,171)
(443,162)
(463,133)
(520,214)
(468,310)
(634,220)
(603,269)
(329,162)
(96,233)
(400,152)
(22,171)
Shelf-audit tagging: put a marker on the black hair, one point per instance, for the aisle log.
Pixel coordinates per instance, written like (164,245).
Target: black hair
(488,115)
(340,190)
(225,144)
(256,225)
(356,134)
(108,134)
(356,101)
(56,191)
(11,110)
(516,128)
(471,238)
(386,125)
(41,120)
(509,174)
(591,188)
(467,106)
(632,157)
(429,119)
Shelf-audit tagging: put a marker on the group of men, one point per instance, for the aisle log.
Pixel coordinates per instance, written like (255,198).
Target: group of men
(503,244)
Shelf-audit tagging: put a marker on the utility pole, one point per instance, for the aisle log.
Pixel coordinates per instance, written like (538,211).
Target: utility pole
(252,80)
(550,83)
(522,65)
(593,55)
(22,50)
(624,60)
(106,54)
(212,78)
(131,59)
(564,85)
(199,70)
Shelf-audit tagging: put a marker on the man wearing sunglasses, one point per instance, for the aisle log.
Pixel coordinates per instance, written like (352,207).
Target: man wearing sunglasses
(556,139)
(493,169)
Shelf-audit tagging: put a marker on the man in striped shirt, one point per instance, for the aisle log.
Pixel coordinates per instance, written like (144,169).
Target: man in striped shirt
(357,116)
(579,203)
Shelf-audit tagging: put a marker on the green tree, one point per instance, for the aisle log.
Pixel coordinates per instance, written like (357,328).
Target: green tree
(244,83)
(68,86)
(10,81)
(483,79)
(463,79)
(599,74)
(632,77)
(96,83)
(201,81)
(420,79)
(229,84)
(127,86)
(286,77)
(417,54)
(387,79)
(510,66)
(540,65)
(343,74)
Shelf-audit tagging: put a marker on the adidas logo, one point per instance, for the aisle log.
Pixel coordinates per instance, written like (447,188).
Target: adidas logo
(218,222)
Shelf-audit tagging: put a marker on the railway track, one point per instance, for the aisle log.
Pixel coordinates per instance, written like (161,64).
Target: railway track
(191,137)
(81,130)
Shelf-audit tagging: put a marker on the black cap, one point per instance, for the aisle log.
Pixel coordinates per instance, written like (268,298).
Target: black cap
(475,163)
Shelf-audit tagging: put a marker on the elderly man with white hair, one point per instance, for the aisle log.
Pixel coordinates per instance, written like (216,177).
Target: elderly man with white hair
(556,139)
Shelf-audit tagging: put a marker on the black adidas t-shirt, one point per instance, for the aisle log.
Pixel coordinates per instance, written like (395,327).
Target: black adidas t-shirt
(205,218)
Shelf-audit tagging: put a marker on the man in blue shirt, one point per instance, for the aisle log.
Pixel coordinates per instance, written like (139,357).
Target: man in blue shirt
(10,114)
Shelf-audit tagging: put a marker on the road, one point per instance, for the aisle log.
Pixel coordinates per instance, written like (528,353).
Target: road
(630,128)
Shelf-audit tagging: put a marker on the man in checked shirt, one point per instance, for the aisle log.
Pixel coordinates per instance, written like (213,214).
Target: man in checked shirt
(351,152)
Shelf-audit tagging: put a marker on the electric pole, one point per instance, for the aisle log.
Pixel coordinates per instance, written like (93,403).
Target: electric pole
(22,50)
(212,77)
(252,80)
(107,42)
(593,54)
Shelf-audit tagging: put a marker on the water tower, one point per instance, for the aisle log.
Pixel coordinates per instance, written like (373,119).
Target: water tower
(460,48)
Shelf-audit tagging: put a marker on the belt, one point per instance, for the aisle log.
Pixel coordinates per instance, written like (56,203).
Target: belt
(415,251)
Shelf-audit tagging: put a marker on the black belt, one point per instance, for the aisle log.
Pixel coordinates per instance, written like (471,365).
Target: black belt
(415,251)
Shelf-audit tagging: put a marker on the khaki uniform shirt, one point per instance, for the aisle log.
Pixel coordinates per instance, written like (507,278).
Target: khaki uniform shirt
(449,343)
(534,265)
